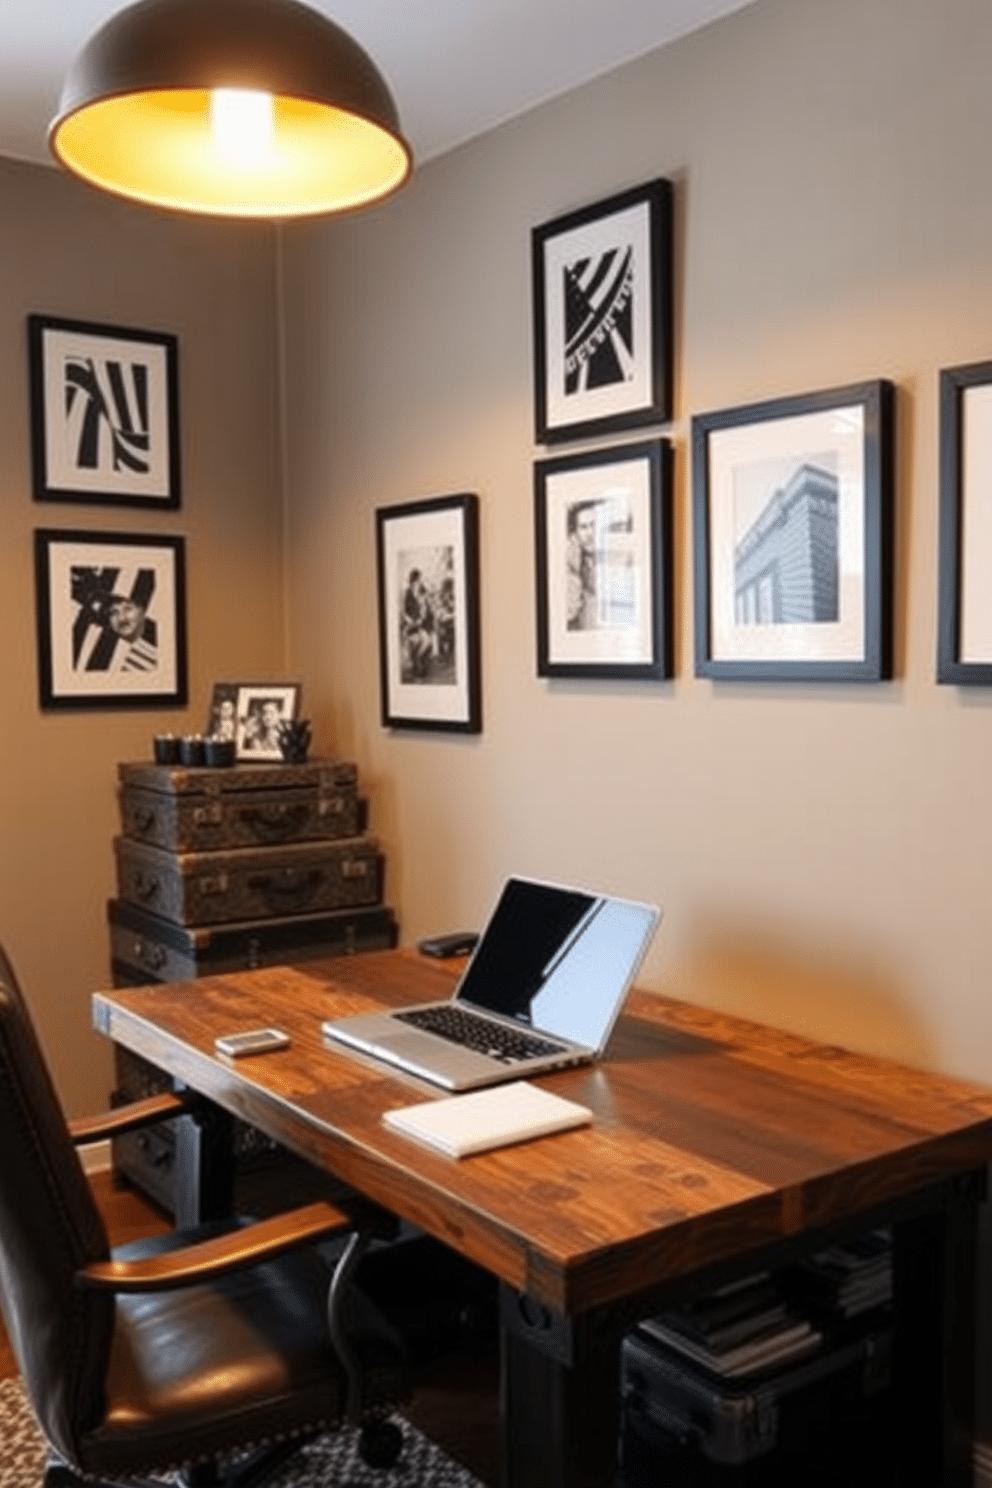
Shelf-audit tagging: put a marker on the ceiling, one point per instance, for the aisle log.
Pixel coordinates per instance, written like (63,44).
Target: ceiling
(456,67)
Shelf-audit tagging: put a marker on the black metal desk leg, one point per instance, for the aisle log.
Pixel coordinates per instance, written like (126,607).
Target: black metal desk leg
(936,1262)
(559,1396)
(204,1166)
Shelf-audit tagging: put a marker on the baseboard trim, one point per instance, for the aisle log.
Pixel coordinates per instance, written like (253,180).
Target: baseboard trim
(96,1158)
(983,1465)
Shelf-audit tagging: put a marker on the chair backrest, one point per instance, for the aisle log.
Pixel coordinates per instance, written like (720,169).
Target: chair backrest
(49,1228)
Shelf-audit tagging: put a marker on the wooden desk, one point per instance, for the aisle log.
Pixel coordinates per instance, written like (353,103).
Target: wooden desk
(717,1145)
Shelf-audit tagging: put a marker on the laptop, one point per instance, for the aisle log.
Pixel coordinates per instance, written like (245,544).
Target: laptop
(542,991)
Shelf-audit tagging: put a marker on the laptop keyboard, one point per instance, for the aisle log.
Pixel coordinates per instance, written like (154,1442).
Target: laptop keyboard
(459,1026)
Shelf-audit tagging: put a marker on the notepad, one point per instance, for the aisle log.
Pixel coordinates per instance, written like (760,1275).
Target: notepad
(483,1119)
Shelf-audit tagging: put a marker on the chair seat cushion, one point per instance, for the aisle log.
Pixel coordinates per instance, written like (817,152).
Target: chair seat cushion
(202,1370)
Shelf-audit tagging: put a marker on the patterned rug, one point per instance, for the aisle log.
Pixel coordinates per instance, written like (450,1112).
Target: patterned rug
(331,1461)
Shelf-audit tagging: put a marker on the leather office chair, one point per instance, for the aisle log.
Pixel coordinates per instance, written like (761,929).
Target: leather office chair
(174,1352)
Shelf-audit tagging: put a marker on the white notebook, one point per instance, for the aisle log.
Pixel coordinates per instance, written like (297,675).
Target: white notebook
(494,1117)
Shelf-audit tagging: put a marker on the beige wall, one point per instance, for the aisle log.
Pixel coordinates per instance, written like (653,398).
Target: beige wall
(64,250)
(823,853)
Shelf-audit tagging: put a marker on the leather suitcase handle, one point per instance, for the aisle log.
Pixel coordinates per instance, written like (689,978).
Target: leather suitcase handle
(146,885)
(144,819)
(290,883)
(277,821)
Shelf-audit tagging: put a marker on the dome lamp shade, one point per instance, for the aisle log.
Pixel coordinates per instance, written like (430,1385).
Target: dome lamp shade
(239,108)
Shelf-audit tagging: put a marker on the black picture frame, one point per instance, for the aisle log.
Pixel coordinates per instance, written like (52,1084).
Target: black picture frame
(427,567)
(964,613)
(111,619)
(602,309)
(260,709)
(104,414)
(820,611)
(602,545)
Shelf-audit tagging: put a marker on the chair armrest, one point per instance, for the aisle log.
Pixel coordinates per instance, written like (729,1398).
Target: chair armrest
(207,1259)
(127,1118)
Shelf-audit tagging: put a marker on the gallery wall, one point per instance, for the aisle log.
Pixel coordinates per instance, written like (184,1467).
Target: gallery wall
(67,251)
(822,852)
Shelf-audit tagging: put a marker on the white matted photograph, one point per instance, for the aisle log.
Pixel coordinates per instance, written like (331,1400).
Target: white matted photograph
(792,537)
(602,308)
(964,623)
(111,617)
(104,414)
(427,559)
(261,709)
(602,550)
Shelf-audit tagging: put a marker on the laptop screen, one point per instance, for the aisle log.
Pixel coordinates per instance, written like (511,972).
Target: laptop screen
(558,959)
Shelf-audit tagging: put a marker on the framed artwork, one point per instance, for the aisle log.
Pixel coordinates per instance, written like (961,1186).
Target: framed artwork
(427,561)
(964,616)
(222,715)
(104,414)
(602,530)
(792,515)
(260,710)
(111,612)
(602,304)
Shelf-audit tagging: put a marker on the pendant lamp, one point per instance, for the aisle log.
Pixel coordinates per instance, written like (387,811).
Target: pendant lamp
(241,108)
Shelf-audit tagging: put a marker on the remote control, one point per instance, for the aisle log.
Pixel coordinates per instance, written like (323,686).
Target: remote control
(255,1041)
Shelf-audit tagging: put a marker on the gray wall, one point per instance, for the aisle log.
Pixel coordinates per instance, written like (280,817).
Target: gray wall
(823,853)
(65,250)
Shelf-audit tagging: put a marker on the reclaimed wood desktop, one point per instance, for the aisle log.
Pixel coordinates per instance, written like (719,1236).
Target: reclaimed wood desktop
(718,1145)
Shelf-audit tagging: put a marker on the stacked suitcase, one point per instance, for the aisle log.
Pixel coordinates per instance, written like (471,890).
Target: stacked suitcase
(782,1378)
(225,870)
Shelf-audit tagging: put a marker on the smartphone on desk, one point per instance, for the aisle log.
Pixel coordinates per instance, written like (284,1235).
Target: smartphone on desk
(252,1041)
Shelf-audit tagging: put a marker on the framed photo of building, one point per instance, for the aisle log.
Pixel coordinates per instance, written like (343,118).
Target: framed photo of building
(792,516)
(602,539)
(427,560)
(104,414)
(602,305)
(964,619)
(260,710)
(111,615)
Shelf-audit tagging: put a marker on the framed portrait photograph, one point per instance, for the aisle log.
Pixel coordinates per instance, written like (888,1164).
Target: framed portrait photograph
(602,541)
(104,414)
(111,613)
(427,563)
(261,708)
(222,715)
(792,519)
(964,615)
(602,303)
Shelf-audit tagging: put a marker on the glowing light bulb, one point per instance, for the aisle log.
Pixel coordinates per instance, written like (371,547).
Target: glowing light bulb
(243,124)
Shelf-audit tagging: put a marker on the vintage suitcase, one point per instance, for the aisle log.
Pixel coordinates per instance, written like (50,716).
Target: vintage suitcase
(197,810)
(146,947)
(212,888)
(819,1421)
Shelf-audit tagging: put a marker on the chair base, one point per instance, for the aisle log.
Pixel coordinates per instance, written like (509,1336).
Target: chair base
(380,1444)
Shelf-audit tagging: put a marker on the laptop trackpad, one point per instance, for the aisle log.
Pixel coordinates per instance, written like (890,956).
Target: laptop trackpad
(436,1058)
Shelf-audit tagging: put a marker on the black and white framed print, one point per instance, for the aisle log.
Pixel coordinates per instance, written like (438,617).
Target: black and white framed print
(104,414)
(602,530)
(602,306)
(792,515)
(427,558)
(111,609)
(261,709)
(964,621)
